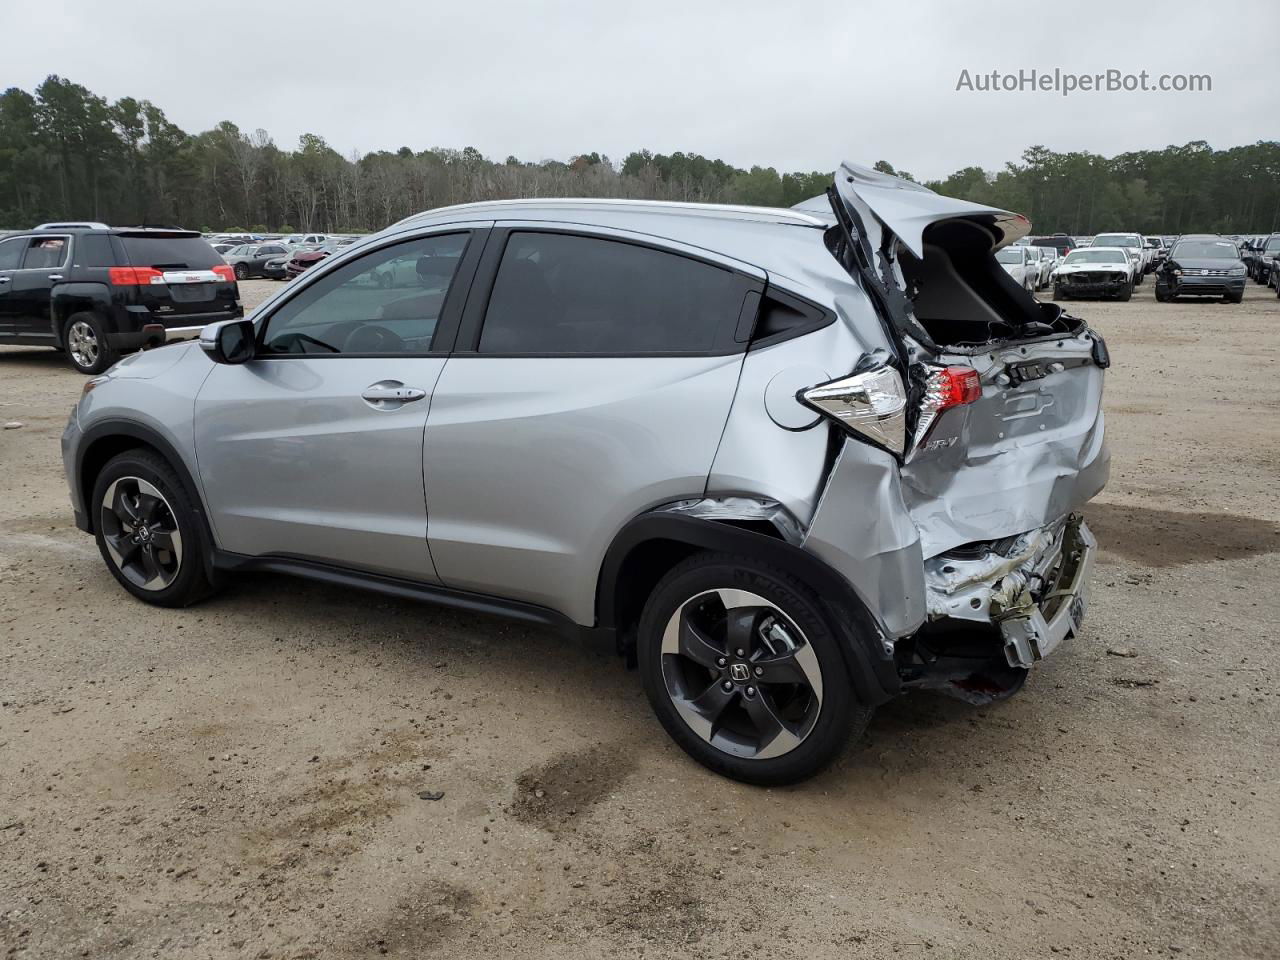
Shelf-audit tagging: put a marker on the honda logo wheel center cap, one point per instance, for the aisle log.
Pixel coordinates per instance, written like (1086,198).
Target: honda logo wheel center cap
(739,672)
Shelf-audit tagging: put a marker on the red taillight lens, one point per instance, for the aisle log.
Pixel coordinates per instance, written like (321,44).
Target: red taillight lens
(132,276)
(225,271)
(953,387)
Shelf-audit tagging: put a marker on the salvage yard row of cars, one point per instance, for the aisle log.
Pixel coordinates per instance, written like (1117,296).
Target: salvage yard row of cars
(274,257)
(762,491)
(1112,265)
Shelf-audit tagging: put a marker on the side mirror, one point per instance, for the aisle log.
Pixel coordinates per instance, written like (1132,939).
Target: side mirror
(229,341)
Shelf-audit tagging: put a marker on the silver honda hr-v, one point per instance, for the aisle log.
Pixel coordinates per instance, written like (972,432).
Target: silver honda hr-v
(793,463)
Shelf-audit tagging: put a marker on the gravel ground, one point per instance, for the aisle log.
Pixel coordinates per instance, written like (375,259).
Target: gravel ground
(250,777)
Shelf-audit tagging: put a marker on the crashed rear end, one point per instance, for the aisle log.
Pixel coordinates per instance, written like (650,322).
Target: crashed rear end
(989,404)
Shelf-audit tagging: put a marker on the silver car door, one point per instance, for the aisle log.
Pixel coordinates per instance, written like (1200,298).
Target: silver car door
(596,386)
(313,449)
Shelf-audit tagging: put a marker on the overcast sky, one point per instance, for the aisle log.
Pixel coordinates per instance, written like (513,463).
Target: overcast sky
(794,85)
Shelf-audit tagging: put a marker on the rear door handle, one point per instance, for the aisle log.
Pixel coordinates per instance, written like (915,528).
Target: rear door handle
(387,394)
(4,279)
(55,276)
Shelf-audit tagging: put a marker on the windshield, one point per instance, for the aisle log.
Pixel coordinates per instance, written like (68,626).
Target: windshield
(1096,256)
(1117,240)
(1205,250)
(1009,255)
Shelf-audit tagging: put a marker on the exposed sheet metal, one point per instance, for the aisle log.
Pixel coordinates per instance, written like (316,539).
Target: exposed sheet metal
(970,586)
(742,508)
(1033,630)
(861,528)
(1025,455)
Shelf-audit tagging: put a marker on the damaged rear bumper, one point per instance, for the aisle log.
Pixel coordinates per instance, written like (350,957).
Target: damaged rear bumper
(1033,587)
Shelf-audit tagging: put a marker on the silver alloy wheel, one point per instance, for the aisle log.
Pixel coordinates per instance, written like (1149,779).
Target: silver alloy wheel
(83,344)
(741,674)
(141,532)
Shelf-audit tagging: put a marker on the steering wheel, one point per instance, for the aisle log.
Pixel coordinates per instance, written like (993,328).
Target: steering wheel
(371,338)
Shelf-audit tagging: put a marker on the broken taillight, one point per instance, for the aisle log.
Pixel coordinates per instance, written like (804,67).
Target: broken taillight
(952,387)
(945,387)
(871,404)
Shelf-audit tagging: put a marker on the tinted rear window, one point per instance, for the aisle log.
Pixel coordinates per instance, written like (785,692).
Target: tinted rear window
(193,253)
(561,294)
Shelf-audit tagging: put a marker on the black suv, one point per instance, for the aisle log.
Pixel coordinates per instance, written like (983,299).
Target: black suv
(1059,241)
(98,291)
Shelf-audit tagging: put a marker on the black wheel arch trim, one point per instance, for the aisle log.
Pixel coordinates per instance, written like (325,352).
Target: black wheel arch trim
(79,296)
(145,435)
(872,671)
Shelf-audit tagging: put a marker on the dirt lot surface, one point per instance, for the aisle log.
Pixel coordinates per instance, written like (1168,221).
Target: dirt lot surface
(243,778)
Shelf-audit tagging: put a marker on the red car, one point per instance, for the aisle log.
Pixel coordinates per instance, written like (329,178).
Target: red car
(302,260)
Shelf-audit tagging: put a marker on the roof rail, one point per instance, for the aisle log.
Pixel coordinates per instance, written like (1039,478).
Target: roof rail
(73,225)
(780,214)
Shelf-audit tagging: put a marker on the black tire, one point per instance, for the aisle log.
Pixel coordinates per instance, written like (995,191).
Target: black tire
(1141,276)
(1234,297)
(1057,292)
(1126,292)
(85,339)
(1162,296)
(827,718)
(242,272)
(176,580)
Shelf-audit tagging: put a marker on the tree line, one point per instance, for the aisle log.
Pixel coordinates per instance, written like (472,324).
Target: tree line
(66,153)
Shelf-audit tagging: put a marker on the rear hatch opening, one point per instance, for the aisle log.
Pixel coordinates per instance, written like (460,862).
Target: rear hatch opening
(966,301)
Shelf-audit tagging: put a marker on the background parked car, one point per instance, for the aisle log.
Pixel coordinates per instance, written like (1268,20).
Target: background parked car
(94,293)
(249,260)
(1264,264)
(1131,242)
(1039,263)
(1094,272)
(305,258)
(1204,265)
(1021,264)
(305,239)
(1059,243)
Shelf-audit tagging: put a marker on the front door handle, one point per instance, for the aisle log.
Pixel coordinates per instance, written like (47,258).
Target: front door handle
(4,279)
(55,276)
(389,394)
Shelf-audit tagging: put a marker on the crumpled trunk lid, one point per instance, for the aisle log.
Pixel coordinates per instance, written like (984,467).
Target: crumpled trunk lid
(1031,449)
